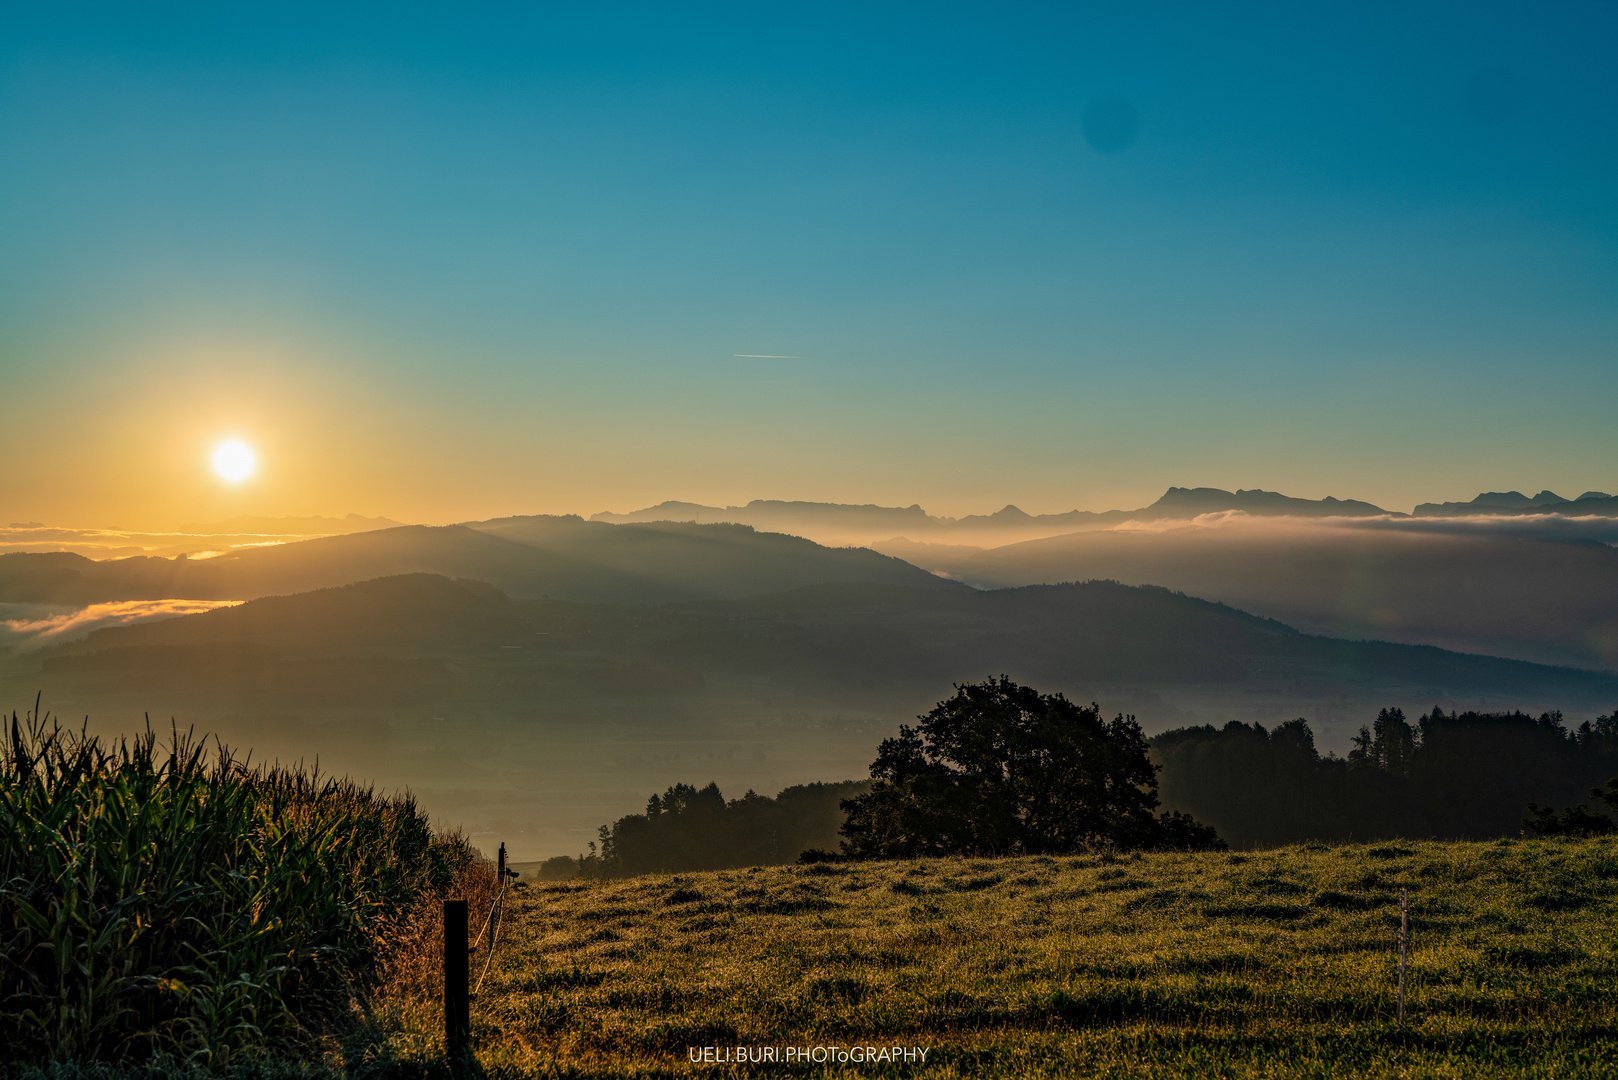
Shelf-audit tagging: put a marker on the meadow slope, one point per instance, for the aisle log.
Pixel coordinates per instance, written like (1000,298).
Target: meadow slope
(1170,965)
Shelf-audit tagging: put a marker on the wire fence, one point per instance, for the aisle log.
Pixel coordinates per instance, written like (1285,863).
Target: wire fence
(458,993)
(496,916)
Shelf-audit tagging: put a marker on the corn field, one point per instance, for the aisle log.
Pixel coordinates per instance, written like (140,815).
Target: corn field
(168,899)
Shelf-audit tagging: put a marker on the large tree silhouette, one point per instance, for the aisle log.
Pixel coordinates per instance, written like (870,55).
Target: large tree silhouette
(1001,769)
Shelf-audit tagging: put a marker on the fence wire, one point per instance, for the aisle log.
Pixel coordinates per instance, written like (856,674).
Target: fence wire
(497,915)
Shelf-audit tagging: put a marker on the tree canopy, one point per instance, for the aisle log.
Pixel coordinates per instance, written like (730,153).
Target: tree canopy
(1002,769)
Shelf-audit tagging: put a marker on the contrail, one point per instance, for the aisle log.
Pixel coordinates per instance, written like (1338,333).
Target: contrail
(762,356)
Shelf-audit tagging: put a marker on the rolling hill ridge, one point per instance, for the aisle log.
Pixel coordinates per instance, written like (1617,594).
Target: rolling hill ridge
(829,639)
(561,557)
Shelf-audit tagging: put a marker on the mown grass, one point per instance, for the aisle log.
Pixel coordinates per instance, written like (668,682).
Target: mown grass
(1280,964)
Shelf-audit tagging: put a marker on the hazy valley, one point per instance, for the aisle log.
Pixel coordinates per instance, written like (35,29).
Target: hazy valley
(536,677)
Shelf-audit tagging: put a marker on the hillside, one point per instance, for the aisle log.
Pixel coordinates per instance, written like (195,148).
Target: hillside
(830,638)
(1079,636)
(565,558)
(664,561)
(1160,966)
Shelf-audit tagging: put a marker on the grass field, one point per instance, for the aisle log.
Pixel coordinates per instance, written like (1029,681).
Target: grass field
(1280,964)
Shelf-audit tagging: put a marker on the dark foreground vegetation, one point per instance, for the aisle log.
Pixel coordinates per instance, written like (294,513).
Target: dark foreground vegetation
(159,900)
(167,910)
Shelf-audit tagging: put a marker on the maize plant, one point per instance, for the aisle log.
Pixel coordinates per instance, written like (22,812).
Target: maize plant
(170,899)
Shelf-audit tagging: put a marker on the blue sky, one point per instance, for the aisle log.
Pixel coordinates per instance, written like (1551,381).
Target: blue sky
(446,264)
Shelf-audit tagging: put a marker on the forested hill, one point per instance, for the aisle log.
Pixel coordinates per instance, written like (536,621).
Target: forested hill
(846,640)
(1082,634)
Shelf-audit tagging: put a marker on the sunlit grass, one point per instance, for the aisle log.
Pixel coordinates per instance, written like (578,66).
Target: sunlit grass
(1274,964)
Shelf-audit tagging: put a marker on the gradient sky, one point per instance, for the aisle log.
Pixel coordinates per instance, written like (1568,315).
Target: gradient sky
(449,263)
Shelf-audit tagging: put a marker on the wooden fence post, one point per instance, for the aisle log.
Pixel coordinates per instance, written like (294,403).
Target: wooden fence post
(1404,945)
(499,894)
(457,976)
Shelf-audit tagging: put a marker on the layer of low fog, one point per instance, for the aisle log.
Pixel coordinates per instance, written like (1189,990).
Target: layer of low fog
(1532,588)
(27,627)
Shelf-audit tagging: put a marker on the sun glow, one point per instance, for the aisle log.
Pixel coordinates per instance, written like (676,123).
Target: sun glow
(234,460)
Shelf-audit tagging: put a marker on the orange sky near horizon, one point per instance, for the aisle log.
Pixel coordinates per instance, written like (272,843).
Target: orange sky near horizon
(340,427)
(447,267)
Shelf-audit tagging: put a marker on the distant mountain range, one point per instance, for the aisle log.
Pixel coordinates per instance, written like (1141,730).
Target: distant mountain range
(837,524)
(842,523)
(1328,566)
(1591,503)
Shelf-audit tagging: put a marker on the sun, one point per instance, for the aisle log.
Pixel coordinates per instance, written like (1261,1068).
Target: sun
(234,460)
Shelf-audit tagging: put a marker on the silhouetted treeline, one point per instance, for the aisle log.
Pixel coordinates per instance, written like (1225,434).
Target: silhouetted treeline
(690,829)
(1450,776)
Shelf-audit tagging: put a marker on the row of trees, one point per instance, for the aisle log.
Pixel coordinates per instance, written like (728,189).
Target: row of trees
(998,769)
(1449,775)
(690,828)
(1002,769)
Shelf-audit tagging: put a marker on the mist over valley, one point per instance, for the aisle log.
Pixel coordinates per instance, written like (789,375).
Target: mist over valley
(534,677)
